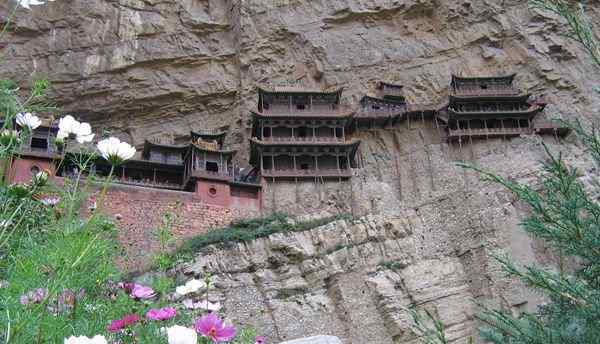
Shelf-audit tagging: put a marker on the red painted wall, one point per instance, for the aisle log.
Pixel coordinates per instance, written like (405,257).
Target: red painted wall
(213,192)
(139,212)
(21,168)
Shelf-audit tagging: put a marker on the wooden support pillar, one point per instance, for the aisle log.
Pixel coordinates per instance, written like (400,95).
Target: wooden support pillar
(294,158)
(262,167)
(290,104)
(343,133)
(337,160)
(293,132)
(311,102)
(154,176)
(316,163)
(273,163)
(314,136)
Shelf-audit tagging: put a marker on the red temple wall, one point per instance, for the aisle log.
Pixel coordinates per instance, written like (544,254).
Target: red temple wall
(21,168)
(139,213)
(213,192)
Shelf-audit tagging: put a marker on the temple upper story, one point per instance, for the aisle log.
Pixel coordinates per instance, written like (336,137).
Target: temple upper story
(302,133)
(478,86)
(300,102)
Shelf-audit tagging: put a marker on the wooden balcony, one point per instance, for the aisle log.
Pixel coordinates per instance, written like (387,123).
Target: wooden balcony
(325,173)
(204,174)
(310,112)
(454,134)
(308,139)
(480,92)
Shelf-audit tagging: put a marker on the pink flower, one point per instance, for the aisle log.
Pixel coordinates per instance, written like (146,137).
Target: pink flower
(119,324)
(161,314)
(141,292)
(212,327)
(35,296)
(260,340)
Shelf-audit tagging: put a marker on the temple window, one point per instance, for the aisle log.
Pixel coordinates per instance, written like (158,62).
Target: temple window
(34,170)
(300,107)
(339,132)
(302,132)
(212,166)
(39,143)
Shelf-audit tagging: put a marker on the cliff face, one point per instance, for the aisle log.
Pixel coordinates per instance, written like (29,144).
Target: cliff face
(425,228)
(145,68)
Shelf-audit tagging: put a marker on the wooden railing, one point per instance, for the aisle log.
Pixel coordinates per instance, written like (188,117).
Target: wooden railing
(314,111)
(308,173)
(489,132)
(486,92)
(309,139)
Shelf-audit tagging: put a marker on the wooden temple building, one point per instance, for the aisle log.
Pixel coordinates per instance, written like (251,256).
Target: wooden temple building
(298,134)
(483,107)
(388,108)
(301,133)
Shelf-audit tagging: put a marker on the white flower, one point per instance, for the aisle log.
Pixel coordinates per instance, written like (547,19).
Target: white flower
(68,126)
(27,120)
(115,151)
(85,340)
(205,305)
(27,3)
(181,335)
(191,286)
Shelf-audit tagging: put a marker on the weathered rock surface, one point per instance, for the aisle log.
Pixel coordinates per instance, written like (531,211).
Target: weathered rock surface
(315,340)
(147,68)
(424,228)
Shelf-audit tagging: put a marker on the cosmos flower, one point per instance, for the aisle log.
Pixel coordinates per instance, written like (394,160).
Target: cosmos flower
(165,313)
(260,340)
(191,286)
(204,304)
(28,120)
(181,335)
(50,201)
(69,126)
(85,340)
(212,327)
(115,151)
(141,292)
(35,296)
(120,324)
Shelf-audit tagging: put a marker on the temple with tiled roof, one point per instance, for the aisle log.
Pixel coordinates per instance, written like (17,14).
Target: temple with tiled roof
(301,133)
(481,107)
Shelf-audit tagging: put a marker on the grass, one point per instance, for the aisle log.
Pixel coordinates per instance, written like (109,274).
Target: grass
(252,229)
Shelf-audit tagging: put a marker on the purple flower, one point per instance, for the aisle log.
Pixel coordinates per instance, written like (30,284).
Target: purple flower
(210,326)
(260,340)
(165,313)
(34,296)
(141,292)
(124,322)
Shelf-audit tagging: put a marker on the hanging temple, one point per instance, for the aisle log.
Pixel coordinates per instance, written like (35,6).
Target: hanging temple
(297,134)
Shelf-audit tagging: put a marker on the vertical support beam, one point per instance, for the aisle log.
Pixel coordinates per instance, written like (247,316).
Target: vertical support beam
(273,164)
(294,158)
(311,102)
(262,165)
(316,162)
(290,103)
(154,176)
(314,136)
(337,160)
(293,132)
(344,133)
(221,163)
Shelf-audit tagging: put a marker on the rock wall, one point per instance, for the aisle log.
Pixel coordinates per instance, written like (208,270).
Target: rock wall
(424,228)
